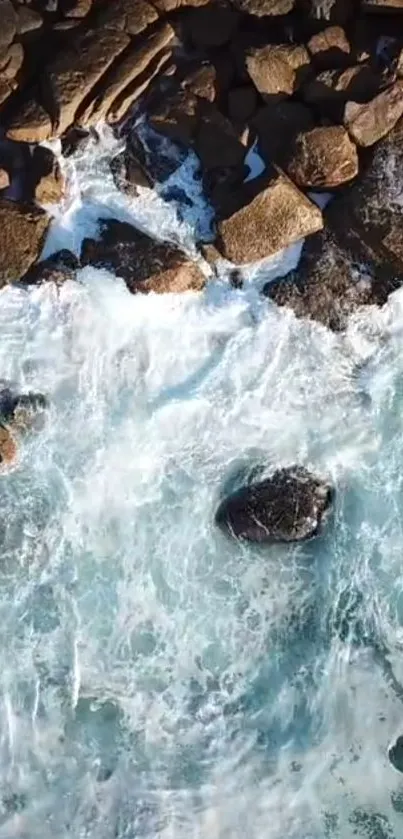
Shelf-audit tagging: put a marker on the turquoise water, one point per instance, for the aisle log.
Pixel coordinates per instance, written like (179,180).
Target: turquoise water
(156,679)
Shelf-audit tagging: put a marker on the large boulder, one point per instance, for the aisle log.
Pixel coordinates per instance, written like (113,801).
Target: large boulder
(330,48)
(143,263)
(367,123)
(22,231)
(264,216)
(323,158)
(287,507)
(277,70)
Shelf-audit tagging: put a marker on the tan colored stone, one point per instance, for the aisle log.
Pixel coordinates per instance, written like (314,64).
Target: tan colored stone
(8,447)
(80,9)
(132,93)
(4,179)
(22,232)
(30,124)
(369,122)
(272,216)
(13,61)
(323,158)
(49,181)
(330,48)
(277,69)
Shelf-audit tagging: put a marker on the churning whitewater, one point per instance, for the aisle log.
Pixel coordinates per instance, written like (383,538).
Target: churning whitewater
(158,679)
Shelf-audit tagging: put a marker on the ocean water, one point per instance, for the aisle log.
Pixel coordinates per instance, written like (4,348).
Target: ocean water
(156,679)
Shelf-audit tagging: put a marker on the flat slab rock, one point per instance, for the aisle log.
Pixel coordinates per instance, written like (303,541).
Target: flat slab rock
(289,506)
(143,263)
(264,216)
(22,231)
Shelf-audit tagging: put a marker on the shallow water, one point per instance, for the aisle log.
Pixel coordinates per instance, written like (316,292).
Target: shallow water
(156,679)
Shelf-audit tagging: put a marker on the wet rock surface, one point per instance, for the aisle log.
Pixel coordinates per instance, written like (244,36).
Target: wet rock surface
(287,507)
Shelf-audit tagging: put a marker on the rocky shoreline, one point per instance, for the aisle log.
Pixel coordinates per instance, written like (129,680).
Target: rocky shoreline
(316,86)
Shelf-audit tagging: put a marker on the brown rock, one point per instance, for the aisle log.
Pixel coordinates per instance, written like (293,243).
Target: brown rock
(323,158)
(171,5)
(260,8)
(4,179)
(8,447)
(30,124)
(277,70)
(129,173)
(278,125)
(212,25)
(131,94)
(13,61)
(330,48)
(177,116)
(242,103)
(144,264)
(48,182)
(270,214)
(216,141)
(57,268)
(124,72)
(6,89)
(28,20)
(8,24)
(202,82)
(367,123)
(139,16)
(79,9)
(332,89)
(22,231)
(382,5)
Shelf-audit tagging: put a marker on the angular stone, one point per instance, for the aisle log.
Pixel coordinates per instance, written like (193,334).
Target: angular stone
(277,70)
(143,263)
(177,116)
(131,94)
(129,174)
(330,48)
(30,124)
(269,214)
(8,447)
(141,15)
(323,158)
(28,20)
(330,91)
(8,24)
(369,122)
(22,232)
(122,73)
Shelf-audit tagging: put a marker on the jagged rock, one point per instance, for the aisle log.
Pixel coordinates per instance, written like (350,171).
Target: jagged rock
(48,181)
(260,8)
(129,173)
(202,82)
(122,75)
(242,103)
(22,232)
(278,125)
(4,179)
(332,89)
(28,20)
(30,124)
(289,506)
(266,215)
(8,447)
(330,48)
(212,25)
(8,24)
(57,268)
(323,158)
(145,264)
(367,123)
(277,70)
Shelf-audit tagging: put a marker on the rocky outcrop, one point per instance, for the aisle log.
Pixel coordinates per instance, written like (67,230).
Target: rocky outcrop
(323,158)
(264,216)
(143,263)
(57,268)
(289,506)
(22,231)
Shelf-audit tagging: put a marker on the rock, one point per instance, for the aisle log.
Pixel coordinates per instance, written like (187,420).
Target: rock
(139,16)
(30,124)
(79,9)
(395,754)
(382,6)
(22,232)
(143,263)
(289,506)
(13,61)
(212,25)
(124,73)
(202,82)
(171,5)
(75,139)
(128,173)
(28,20)
(21,411)
(323,158)
(242,103)
(6,89)
(216,142)
(177,116)
(57,268)
(277,127)
(330,48)
(4,179)
(333,11)
(8,26)
(330,91)
(369,122)
(131,94)
(8,448)
(48,181)
(277,70)
(268,214)
(260,8)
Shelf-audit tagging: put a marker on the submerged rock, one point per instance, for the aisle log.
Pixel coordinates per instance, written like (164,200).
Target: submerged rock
(396,754)
(287,507)
(57,268)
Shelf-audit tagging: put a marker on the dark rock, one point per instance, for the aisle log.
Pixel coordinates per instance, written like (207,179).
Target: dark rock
(242,103)
(75,139)
(264,216)
(287,507)
(333,11)
(22,411)
(202,81)
(261,8)
(57,268)
(278,70)
(380,6)
(129,174)
(367,123)
(216,142)
(144,264)
(177,116)
(212,25)
(28,20)
(330,91)
(396,754)
(323,158)
(30,123)
(45,176)
(8,27)
(330,48)
(277,127)
(13,60)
